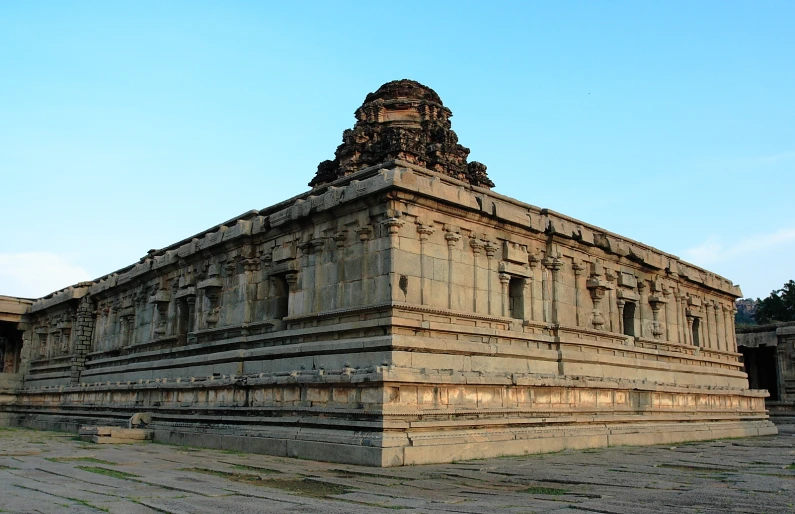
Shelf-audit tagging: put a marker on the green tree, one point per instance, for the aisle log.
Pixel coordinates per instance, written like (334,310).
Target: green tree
(779,306)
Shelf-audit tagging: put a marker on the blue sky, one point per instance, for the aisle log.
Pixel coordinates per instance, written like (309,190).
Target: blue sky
(126,126)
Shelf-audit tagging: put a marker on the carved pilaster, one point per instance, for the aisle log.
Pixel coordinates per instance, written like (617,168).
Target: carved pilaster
(533,261)
(452,239)
(505,279)
(610,276)
(554,264)
(490,249)
(578,268)
(424,231)
(477,248)
(642,288)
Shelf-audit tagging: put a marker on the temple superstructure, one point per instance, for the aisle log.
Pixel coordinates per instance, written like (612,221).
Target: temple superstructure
(400,312)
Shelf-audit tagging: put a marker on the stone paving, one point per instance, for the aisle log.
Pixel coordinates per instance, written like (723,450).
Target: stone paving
(50,472)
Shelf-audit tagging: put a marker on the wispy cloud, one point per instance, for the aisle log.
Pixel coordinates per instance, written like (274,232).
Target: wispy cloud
(35,274)
(713,250)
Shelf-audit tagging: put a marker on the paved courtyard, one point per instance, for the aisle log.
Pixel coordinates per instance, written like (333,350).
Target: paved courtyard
(50,472)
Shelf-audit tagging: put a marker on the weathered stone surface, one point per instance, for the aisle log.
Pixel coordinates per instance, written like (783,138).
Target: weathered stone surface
(402,120)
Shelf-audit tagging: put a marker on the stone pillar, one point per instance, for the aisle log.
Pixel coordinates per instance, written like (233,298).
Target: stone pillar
(505,279)
(554,265)
(687,324)
(709,343)
(610,276)
(292,286)
(424,232)
(317,252)
(716,331)
(392,225)
(250,268)
(307,274)
(733,336)
(365,234)
(83,332)
(490,249)
(532,284)
(339,243)
(641,305)
(781,371)
(620,303)
(452,239)
(724,322)
(476,246)
(667,297)
(578,269)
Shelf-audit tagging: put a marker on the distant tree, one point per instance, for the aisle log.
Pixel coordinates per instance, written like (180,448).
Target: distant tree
(779,306)
(746,308)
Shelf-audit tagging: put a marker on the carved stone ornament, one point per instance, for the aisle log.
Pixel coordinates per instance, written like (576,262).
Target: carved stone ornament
(402,120)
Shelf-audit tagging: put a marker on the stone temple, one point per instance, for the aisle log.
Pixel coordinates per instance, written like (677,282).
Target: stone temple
(400,312)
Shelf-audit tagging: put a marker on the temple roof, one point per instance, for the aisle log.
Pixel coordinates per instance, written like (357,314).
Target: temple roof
(403,120)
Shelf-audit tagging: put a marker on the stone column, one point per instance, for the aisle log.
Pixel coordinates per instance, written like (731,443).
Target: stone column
(317,252)
(667,297)
(365,234)
(578,269)
(308,272)
(250,268)
(532,283)
(611,278)
(452,239)
(424,232)
(721,314)
(339,243)
(554,265)
(641,305)
(707,330)
(620,303)
(490,249)
(393,228)
(687,331)
(781,371)
(505,279)
(476,246)
(292,286)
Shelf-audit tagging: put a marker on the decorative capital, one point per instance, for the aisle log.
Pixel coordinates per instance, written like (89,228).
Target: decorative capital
(292,280)
(424,231)
(504,278)
(452,238)
(476,245)
(340,238)
(552,263)
(490,248)
(365,232)
(393,225)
